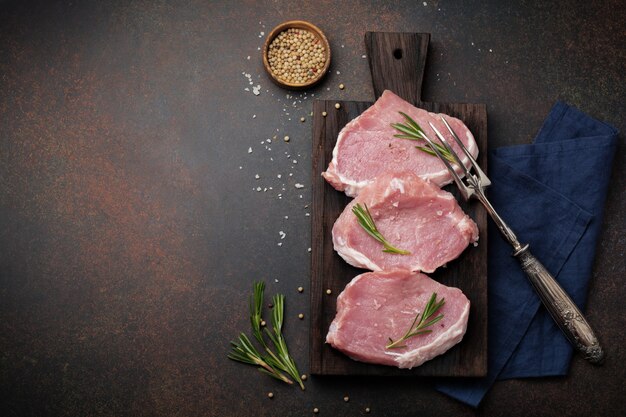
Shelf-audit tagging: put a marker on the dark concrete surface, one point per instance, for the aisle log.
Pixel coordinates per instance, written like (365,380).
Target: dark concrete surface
(131,230)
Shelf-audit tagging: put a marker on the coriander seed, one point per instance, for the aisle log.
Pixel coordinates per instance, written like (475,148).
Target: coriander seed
(270,395)
(303,377)
(329,291)
(300,289)
(337,105)
(286,138)
(296,56)
(324,114)
(346,398)
(367,409)
(341,86)
(302,119)
(316,410)
(300,316)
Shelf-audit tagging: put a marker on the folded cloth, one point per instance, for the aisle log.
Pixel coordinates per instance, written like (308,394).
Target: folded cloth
(552,194)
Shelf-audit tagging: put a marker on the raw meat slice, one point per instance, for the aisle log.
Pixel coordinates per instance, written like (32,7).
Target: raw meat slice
(376,306)
(412,214)
(366,147)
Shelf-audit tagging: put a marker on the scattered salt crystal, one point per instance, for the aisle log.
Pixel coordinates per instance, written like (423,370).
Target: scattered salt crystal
(249,150)
(307,214)
(280,243)
(286,217)
(258,189)
(257,176)
(265,189)
(363,56)
(308,250)
(425,4)
(254,116)
(278,176)
(338,73)
(275,280)
(256,90)
(248,57)
(282,234)
(294,161)
(298,185)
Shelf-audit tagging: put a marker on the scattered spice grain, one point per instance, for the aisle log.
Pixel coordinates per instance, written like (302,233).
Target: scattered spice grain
(337,105)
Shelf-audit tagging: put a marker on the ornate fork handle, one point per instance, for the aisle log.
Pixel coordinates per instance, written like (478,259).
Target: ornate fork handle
(561,307)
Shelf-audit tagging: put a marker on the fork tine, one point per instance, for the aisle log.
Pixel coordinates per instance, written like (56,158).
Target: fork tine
(466,192)
(445,143)
(483,178)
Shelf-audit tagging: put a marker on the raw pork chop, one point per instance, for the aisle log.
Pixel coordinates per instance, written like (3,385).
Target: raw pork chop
(412,214)
(376,306)
(366,147)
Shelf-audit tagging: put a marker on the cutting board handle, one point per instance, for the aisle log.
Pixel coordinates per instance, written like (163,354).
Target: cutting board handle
(397,62)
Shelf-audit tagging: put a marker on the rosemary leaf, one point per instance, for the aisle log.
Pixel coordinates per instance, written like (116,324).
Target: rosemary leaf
(412,131)
(419,327)
(366,221)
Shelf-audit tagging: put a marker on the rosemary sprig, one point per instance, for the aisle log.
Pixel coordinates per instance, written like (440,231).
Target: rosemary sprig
(412,131)
(275,364)
(286,362)
(432,306)
(367,223)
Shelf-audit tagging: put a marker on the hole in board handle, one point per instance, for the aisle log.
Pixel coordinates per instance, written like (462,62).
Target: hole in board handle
(397,53)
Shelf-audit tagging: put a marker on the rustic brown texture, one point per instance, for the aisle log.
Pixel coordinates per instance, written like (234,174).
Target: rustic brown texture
(129,237)
(397,62)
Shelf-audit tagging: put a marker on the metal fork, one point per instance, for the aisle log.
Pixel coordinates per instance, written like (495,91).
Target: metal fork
(561,307)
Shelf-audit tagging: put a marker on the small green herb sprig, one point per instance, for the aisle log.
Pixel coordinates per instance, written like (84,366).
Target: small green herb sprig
(275,363)
(412,131)
(419,327)
(367,223)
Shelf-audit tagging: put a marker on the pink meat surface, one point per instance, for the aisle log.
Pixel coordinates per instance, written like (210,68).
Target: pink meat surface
(412,214)
(376,306)
(366,147)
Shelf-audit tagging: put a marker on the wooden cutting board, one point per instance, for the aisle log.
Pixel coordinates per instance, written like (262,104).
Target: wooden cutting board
(397,62)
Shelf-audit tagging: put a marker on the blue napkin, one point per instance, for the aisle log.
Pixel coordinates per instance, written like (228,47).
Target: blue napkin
(551,193)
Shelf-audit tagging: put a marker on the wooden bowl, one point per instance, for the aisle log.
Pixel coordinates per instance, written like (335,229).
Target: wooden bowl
(296,24)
